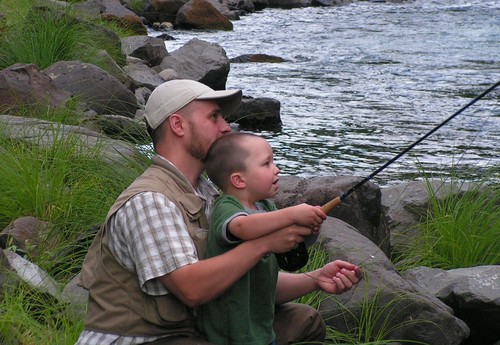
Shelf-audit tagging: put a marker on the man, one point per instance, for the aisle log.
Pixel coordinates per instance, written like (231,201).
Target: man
(145,270)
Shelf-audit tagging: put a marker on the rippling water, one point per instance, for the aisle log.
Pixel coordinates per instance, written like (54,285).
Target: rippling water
(366,80)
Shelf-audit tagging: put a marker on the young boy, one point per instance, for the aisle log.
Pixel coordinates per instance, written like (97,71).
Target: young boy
(241,164)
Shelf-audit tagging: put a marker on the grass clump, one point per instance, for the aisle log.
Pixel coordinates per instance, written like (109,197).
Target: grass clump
(461,229)
(28,317)
(371,322)
(68,186)
(34,32)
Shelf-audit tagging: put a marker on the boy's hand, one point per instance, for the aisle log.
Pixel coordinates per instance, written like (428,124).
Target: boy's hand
(307,215)
(338,276)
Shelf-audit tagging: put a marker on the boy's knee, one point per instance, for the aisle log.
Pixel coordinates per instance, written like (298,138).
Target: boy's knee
(298,323)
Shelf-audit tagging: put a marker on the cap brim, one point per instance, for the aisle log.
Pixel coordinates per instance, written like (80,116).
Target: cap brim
(228,100)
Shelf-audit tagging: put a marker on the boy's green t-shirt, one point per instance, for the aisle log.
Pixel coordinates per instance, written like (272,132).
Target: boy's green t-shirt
(244,314)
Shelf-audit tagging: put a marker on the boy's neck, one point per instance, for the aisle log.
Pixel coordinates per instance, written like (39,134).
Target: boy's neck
(243,197)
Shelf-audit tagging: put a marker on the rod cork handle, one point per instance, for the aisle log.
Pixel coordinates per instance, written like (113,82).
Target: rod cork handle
(331,204)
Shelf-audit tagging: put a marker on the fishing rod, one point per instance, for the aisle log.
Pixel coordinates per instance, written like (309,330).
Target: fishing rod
(336,201)
(298,257)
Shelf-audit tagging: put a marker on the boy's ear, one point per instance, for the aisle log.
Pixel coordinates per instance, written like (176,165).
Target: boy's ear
(237,180)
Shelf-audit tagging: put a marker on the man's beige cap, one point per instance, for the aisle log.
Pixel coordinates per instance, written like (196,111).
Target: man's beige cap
(173,95)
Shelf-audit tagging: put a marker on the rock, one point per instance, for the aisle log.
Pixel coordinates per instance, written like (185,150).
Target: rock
(260,4)
(149,49)
(143,76)
(384,299)
(44,133)
(124,128)
(288,4)
(169,74)
(27,272)
(88,83)
(114,69)
(257,114)
(201,61)
(473,293)
(327,3)
(361,209)
(241,6)
(201,15)
(245,58)
(24,86)
(163,10)
(21,233)
(406,205)
(113,10)
(77,298)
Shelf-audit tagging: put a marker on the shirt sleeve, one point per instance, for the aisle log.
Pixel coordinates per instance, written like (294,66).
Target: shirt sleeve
(225,210)
(149,236)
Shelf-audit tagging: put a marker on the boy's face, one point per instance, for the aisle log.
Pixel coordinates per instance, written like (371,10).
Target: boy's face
(261,174)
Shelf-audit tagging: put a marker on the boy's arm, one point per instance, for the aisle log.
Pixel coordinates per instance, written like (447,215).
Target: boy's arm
(252,226)
(260,224)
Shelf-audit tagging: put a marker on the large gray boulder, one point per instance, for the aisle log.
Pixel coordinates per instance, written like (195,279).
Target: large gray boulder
(201,61)
(473,293)
(90,84)
(384,303)
(45,133)
(362,209)
(143,76)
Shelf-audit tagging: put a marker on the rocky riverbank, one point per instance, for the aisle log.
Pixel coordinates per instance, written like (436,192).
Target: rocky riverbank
(425,304)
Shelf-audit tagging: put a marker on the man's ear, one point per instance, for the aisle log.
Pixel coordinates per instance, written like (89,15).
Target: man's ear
(237,180)
(176,123)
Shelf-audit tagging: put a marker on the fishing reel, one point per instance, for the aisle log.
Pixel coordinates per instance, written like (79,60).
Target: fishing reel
(295,259)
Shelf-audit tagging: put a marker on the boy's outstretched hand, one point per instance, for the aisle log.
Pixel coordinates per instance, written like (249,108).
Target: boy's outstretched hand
(337,276)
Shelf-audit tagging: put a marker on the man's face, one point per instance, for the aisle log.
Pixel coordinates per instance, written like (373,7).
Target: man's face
(205,125)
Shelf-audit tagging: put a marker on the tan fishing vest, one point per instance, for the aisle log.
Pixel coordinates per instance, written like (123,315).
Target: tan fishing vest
(116,303)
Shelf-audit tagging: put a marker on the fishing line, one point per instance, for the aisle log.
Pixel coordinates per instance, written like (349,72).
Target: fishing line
(336,201)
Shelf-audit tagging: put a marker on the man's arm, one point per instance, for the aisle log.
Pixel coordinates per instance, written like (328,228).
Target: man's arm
(204,280)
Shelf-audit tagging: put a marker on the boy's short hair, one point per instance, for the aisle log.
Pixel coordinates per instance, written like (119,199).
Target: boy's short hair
(227,156)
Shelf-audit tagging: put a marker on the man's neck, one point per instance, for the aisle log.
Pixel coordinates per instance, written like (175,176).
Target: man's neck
(191,169)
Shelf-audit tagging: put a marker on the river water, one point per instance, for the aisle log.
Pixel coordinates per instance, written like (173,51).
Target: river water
(365,80)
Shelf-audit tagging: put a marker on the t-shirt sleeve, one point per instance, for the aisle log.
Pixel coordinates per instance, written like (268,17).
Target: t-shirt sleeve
(226,208)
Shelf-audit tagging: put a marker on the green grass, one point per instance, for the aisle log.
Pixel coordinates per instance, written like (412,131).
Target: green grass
(44,35)
(31,318)
(72,189)
(371,325)
(459,230)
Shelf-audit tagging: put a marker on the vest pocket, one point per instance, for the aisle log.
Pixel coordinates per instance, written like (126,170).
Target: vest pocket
(165,310)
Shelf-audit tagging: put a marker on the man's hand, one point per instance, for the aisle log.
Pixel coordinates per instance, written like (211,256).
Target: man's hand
(286,239)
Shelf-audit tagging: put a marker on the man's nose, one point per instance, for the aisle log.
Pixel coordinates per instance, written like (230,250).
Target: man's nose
(224,126)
